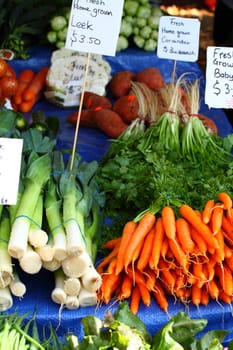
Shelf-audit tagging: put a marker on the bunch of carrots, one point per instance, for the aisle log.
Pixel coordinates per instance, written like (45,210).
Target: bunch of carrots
(30,88)
(188,256)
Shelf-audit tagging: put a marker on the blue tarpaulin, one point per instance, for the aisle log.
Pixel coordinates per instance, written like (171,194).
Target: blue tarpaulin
(92,144)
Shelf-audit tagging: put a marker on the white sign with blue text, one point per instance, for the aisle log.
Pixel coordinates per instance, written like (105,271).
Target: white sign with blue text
(178,38)
(94,26)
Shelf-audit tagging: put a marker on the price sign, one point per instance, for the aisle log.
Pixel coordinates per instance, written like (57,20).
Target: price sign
(178,38)
(219,77)
(94,26)
(10,162)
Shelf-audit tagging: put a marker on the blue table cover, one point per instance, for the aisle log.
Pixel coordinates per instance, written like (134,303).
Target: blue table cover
(92,144)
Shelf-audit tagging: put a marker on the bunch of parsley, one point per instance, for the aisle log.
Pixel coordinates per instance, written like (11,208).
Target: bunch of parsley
(24,22)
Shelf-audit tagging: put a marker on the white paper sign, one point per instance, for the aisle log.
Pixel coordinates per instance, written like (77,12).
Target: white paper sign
(178,38)
(94,26)
(10,163)
(219,77)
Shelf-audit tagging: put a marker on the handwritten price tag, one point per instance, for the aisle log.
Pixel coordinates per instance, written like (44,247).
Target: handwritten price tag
(219,77)
(10,162)
(94,26)
(178,38)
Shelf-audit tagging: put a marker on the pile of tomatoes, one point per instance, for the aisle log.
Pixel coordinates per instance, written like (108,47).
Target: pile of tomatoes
(8,81)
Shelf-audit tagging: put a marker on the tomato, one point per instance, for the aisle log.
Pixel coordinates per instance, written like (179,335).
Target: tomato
(8,85)
(3,67)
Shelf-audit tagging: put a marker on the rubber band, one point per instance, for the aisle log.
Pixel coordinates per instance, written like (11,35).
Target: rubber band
(30,219)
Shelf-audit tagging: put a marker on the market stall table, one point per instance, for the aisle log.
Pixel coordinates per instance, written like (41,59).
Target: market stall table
(92,145)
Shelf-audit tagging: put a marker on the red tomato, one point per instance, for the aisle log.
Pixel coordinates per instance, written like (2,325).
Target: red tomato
(3,67)
(8,85)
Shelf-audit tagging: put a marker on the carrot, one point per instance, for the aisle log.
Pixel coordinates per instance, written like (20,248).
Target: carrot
(150,278)
(179,255)
(228,252)
(146,250)
(109,285)
(127,233)
(111,266)
(227,227)
(196,295)
(169,222)
(110,244)
(136,276)
(164,248)
(213,289)
(166,276)
(204,296)
(200,242)
(226,200)
(26,106)
(106,260)
(229,262)
(207,211)
(229,215)
(220,252)
(126,287)
(216,219)
(36,86)
(184,235)
(160,297)
(225,297)
(197,271)
(145,294)
(24,79)
(144,226)
(156,244)
(189,214)
(135,300)
(225,278)
(211,267)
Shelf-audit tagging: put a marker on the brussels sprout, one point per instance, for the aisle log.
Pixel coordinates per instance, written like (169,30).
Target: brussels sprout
(58,22)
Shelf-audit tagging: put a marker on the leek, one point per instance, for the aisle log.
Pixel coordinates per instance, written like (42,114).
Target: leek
(37,236)
(6,270)
(37,175)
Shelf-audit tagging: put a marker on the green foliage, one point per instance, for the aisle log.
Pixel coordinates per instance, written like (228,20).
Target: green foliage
(23,21)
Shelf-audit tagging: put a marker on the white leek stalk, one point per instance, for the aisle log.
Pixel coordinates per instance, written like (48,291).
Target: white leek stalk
(36,236)
(30,262)
(52,265)
(58,294)
(6,269)
(91,280)
(72,286)
(37,175)
(72,302)
(54,218)
(17,287)
(6,300)
(87,298)
(76,266)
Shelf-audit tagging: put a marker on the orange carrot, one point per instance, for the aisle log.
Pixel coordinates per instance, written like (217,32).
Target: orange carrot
(229,262)
(227,227)
(225,278)
(216,219)
(166,276)
(106,260)
(213,289)
(200,242)
(207,211)
(109,285)
(225,297)
(150,278)
(169,222)
(156,244)
(228,252)
(135,300)
(164,248)
(180,256)
(144,226)
(26,106)
(145,294)
(136,276)
(146,250)
(110,244)
(226,200)
(160,297)
(127,233)
(229,215)
(189,214)
(220,252)
(197,271)
(126,287)
(184,235)
(196,295)
(204,296)
(24,79)
(36,86)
